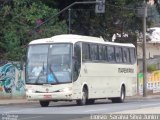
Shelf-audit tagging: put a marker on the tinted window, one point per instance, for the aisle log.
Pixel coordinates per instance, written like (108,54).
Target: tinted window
(106,53)
(132,55)
(101,52)
(94,52)
(110,53)
(85,51)
(126,55)
(118,54)
(76,60)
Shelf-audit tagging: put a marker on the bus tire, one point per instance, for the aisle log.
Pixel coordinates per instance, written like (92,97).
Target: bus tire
(121,98)
(44,103)
(83,100)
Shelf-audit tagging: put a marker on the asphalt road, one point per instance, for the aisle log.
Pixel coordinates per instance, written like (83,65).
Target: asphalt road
(69,110)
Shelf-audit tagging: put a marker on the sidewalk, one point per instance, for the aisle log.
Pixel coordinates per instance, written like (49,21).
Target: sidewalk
(25,101)
(140,97)
(16,101)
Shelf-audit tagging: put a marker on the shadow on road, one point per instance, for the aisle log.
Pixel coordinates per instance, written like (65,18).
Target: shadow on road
(73,103)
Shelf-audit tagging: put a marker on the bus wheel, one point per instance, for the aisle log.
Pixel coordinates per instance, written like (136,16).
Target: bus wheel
(90,101)
(121,98)
(83,100)
(44,103)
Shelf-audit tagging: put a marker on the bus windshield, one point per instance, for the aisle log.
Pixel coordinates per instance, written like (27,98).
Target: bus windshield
(49,64)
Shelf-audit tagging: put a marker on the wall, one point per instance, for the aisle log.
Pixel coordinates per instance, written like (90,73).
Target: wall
(152,50)
(153,61)
(12,82)
(153,82)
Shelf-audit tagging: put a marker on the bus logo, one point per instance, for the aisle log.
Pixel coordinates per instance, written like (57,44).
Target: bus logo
(125,70)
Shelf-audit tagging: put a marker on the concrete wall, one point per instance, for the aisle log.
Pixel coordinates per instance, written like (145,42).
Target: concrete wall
(12,82)
(153,61)
(152,50)
(153,82)
(153,58)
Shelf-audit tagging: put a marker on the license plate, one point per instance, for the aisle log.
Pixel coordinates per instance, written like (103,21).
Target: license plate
(47,96)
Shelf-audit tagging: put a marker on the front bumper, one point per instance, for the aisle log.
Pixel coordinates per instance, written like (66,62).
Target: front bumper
(50,96)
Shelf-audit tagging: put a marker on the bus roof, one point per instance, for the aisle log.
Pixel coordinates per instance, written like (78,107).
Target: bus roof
(71,38)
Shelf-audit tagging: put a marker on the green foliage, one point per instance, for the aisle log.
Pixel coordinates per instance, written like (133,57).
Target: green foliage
(153,16)
(18,18)
(17,22)
(119,17)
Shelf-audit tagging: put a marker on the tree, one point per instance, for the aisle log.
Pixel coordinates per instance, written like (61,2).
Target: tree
(19,17)
(120,17)
(153,14)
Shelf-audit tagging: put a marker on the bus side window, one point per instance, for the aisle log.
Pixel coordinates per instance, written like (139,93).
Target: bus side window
(101,52)
(132,55)
(76,60)
(111,54)
(85,51)
(125,55)
(118,53)
(94,52)
(106,53)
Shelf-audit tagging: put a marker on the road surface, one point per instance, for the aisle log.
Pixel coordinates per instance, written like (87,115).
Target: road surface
(70,111)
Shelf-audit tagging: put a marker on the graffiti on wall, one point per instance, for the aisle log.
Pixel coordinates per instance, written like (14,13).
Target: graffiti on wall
(11,78)
(153,81)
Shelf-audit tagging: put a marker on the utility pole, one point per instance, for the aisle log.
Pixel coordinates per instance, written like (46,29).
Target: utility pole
(144,52)
(142,12)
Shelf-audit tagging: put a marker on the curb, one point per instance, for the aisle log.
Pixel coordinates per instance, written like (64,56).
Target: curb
(25,101)
(138,97)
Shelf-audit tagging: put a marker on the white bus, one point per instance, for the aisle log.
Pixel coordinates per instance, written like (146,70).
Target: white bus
(81,68)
